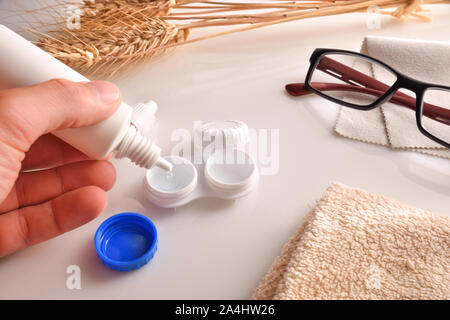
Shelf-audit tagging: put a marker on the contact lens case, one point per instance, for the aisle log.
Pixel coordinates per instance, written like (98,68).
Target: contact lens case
(228,172)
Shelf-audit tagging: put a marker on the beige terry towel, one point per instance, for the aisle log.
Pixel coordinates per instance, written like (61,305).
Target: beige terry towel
(356,245)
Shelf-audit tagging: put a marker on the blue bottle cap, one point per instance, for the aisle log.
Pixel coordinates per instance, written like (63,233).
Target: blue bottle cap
(126,241)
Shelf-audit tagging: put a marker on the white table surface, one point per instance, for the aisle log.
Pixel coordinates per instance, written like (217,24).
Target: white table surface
(217,249)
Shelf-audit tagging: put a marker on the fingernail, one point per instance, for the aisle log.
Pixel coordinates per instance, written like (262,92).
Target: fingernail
(106,91)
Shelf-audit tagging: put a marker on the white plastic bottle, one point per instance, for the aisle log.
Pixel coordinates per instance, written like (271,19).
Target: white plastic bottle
(23,64)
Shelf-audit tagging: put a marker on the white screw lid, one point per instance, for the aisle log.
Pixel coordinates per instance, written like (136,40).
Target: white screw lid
(234,134)
(143,116)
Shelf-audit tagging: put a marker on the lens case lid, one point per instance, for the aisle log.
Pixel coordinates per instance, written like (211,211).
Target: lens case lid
(222,134)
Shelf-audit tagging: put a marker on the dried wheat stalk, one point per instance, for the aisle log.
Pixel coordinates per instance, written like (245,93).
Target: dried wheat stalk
(103,51)
(105,12)
(115,34)
(111,34)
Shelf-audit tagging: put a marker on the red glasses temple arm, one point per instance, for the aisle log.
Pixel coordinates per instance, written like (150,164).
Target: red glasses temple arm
(367,85)
(299,89)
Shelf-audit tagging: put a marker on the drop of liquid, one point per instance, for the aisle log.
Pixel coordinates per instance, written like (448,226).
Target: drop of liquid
(169,182)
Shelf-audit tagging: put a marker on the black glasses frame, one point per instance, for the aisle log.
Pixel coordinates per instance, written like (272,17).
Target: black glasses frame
(402,82)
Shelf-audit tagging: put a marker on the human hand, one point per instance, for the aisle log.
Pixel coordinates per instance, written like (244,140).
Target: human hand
(39,205)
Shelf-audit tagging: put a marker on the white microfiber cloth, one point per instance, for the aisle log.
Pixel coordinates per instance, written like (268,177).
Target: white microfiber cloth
(357,245)
(392,125)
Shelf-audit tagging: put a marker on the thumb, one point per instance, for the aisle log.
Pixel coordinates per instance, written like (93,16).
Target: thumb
(27,113)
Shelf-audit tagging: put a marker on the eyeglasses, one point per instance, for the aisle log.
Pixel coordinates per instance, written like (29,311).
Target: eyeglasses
(361,82)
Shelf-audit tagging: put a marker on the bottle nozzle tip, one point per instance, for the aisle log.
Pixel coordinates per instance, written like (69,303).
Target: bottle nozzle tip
(164,164)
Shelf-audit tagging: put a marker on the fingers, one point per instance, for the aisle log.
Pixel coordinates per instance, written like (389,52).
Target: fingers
(27,113)
(30,225)
(49,151)
(4,84)
(38,186)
